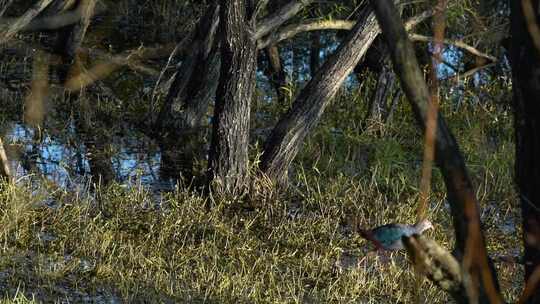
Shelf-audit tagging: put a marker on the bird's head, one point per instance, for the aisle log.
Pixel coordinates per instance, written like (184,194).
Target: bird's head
(423,225)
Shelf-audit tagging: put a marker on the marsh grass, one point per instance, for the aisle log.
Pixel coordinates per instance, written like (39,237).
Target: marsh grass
(184,252)
(127,244)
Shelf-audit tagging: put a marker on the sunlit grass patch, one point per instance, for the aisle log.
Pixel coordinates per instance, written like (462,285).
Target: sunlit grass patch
(188,251)
(124,243)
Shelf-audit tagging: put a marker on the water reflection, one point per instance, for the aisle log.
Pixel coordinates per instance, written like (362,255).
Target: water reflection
(70,158)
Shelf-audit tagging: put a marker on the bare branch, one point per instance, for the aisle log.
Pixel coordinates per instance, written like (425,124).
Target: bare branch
(24,20)
(54,22)
(292,30)
(275,20)
(261,4)
(132,58)
(469,73)
(110,63)
(412,22)
(457,43)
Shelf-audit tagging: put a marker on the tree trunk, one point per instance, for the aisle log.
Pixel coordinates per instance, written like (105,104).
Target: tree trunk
(481,282)
(314,52)
(275,72)
(525,61)
(185,143)
(377,60)
(290,132)
(190,77)
(379,107)
(71,37)
(393,105)
(228,159)
(193,87)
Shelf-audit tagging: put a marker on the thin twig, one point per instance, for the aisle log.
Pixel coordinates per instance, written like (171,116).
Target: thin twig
(457,43)
(469,73)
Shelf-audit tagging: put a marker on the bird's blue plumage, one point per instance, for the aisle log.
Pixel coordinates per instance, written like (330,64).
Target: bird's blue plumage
(389,236)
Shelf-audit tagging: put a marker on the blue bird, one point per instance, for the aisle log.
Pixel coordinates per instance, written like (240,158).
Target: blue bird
(388,237)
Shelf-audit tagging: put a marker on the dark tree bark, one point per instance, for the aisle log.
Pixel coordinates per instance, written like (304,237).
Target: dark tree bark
(393,105)
(275,71)
(525,61)
(193,87)
(379,108)
(314,52)
(185,142)
(71,37)
(228,159)
(377,60)
(290,132)
(470,244)
(99,160)
(195,72)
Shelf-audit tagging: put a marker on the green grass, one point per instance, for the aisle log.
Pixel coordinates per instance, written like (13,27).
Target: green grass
(288,250)
(187,252)
(300,246)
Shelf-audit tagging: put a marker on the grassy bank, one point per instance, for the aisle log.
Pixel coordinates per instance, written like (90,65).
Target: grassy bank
(127,244)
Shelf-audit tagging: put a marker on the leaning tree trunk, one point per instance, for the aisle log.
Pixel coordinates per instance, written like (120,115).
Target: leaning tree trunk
(525,61)
(193,87)
(184,143)
(196,70)
(480,279)
(228,159)
(377,61)
(290,132)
